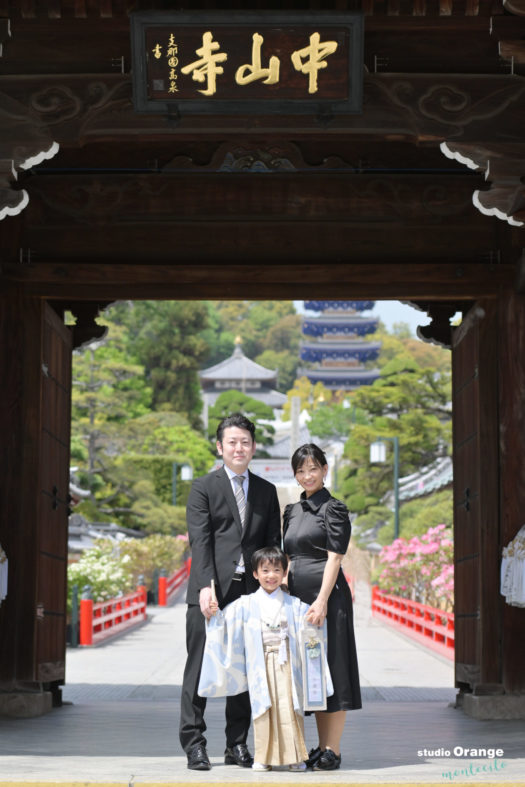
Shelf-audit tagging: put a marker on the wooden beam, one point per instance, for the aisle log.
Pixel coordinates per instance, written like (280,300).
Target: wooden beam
(266,243)
(421,107)
(429,281)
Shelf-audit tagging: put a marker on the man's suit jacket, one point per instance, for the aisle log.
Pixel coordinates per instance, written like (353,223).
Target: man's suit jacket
(216,535)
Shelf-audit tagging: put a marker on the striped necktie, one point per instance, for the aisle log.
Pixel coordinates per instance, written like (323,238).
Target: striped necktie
(240,497)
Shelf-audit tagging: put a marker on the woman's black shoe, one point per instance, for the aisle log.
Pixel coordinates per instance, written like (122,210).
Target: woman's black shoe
(328,761)
(313,756)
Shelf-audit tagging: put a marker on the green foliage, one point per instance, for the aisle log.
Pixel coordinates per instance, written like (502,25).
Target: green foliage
(108,388)
(110,569)
(369,527)
(253,321)
(311,395)
(218,336)
(285,334)
(401,344)
(166,337)
(79,452)
(89,509)
(270,334)
(285,363)
(408,402)
(144,556)
(236,402)
(162,434)
(135,486)
(416,516)
(149,513)
(336,419)
(108,383)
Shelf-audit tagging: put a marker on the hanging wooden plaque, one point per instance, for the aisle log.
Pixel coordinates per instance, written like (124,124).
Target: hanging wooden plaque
(247,62)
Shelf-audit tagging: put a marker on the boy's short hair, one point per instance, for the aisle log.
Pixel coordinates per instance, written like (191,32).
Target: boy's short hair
(273,555)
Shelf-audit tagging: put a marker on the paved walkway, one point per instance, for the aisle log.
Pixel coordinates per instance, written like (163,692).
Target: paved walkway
(119,723)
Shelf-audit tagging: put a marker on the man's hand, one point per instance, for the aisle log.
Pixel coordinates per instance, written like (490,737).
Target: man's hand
(207,603)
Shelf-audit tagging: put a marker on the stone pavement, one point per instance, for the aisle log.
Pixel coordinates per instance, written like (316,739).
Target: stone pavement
(120,718)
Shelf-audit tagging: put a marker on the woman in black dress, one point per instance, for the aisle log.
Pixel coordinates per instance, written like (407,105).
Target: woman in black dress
(316,537)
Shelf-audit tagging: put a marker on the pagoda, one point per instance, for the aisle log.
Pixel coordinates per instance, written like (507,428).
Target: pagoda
(336,342)
(240,373)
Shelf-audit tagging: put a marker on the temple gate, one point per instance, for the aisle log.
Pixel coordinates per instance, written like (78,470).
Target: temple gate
(415,194)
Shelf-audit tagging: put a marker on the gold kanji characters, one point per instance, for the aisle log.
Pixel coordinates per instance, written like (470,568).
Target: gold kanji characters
(206,69)
(250,73)
(314,59)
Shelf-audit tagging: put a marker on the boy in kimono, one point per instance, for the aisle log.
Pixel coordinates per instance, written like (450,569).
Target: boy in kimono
(254,644)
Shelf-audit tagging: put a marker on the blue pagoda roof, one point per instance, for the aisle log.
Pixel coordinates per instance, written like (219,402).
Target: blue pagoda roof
(338,378)
(340,351)
(333,325)
(343,306)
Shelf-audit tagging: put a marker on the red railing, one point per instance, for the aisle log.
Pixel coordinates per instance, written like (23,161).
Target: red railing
(103,619)
(169,585)
(429,626)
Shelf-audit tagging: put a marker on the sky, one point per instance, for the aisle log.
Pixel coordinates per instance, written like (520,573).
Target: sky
(390,312)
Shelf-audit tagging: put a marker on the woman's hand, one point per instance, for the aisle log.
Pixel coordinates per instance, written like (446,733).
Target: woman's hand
(317,613)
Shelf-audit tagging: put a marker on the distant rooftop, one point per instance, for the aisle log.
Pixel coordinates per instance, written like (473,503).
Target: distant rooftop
(335,351)
(343,306)
(238,368)
(329,325)
(239,373)
(338,378)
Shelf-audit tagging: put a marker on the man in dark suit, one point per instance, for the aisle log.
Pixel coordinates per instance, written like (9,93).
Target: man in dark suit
(230,513)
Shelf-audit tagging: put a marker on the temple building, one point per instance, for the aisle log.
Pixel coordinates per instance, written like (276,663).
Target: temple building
(239,373)
(337,344)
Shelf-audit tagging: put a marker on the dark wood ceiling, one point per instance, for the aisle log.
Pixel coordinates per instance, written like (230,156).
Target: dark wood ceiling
(366,203)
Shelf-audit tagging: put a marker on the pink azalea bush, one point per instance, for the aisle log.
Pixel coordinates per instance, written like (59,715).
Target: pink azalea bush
(421,568)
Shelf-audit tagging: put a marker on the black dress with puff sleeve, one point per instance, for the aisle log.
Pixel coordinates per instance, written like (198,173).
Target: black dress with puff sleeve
(313,527)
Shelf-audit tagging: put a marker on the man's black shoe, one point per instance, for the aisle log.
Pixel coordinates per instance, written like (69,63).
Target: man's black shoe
(238,755)
(198,758)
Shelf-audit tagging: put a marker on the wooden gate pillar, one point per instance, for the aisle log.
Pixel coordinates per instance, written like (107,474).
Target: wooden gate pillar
(33,526)
(20,328)
(489,503)
(512,471)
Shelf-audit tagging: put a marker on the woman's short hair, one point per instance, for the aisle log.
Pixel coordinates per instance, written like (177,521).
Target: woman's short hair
(273,555)
(308,451)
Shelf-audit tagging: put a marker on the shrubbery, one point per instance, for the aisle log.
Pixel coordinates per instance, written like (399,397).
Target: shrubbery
(110,569)
(421,568)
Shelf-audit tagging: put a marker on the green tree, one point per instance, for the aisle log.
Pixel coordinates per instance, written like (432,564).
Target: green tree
(147,555)
(270,333)
(138,477)
(237,402)
(108,388)
(408,402)
(312,396)
(336,419)
(286,364)
(166,337)
(219,338)
(256,324)
(401,344)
